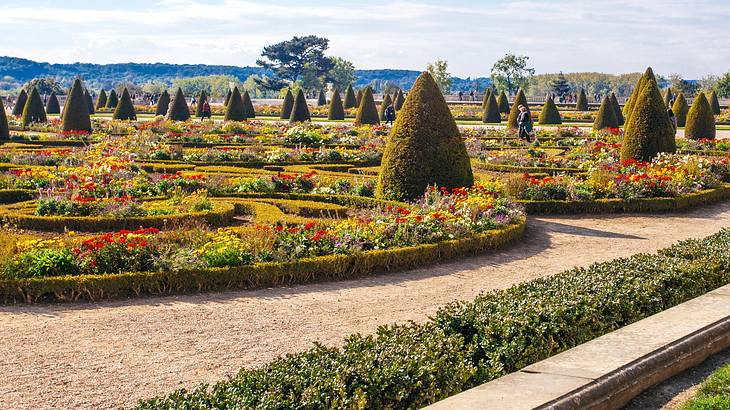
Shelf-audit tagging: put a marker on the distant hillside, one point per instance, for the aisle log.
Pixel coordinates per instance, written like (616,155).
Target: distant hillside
(14,72)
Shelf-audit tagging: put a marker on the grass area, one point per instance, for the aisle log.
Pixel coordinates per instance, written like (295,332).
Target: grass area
(714,393)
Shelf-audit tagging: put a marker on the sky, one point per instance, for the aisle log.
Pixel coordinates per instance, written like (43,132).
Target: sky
(613,36)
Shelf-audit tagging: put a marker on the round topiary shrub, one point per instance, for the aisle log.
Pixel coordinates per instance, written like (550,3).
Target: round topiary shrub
(700,120)
(163,103)
(101,100)
(606,116)
(125,108)
(491,111)
(113,99)
(202,98)
(367,112)
(76,110)
(714,103)
(322,98)
(53,106)
(300,110)
(520,99)
(649,130)
(178,109)
(350,97)
(235,110)
(399,100)
(503,103)
(336,111)
(387,102)
(287,106)
(582,103)
(248,106)
(4,128)
(680,110)
(549,114)
(617,109)
(20,104)
(34,111)
(425,147)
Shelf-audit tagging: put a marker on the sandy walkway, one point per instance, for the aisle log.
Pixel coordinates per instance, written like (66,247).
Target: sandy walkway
(109,354)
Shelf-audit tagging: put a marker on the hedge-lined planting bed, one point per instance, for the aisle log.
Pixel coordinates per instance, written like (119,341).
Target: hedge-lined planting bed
(11,196)
(469,343)
(531,170)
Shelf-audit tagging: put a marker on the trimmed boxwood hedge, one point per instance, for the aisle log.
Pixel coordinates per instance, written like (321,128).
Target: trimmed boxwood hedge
(531,170)
(336,112)
(11,196)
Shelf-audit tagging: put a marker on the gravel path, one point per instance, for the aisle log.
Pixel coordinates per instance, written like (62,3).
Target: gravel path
(109,354)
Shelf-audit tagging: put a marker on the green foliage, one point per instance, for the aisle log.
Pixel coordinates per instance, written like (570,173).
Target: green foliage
(439,70)
(629,106)
(202,98)
(617,109)
(350,98)
(398,100)
(76,110)
(511,72)
(322,98)
(248,105)
(342,73)
(228,98)
(40,263)
(89,102)
(491,110)
(549,114)
(424,148)
(582,103)
(387,102)
(287,106)
(714,392)
(45,85)
(560,85)
(668,96)
(4,128)
(723,86)
(336,111)
(101,100)
(52,106)
(606,116)
(367,112)
(289,59)
(714,103)
(680,109)
(300,110)
(163,103)
(20,103)
(125,108)
(485,100)
(649,130)
(178,109)
(34,111)
(503,103)
(235,110)
(113,99)
(520,99)
(358,97)
(700,120)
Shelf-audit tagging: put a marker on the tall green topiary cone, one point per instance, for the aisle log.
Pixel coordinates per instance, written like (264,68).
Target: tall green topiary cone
(680,110)
(520,99)
(89,102)
(491,113)
(485,100)
(617,109)
(248,106)
(101,100)
(700,120)
(53,106)
(4,128)
(336,111)
(606,116)
(125,108)
(385,104)
(322,98)
(113,99)
(549,114)
(358,97)
(714,103)
(668,96)
(235,110)
(76,110)
(300,110)
(202,98)
(287,106)
(503,103)
(350,98)
(34,112)
(582,103)
(163,103)
(367,112)
(649,130)
(20,104)
(629,106)
(425,147)
(178,109)
(399,100)
(228,98)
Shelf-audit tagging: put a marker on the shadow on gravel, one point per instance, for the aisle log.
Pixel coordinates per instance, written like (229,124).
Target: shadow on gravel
(582,231)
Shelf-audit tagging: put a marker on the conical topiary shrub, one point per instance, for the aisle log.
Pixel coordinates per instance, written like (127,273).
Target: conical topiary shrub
(606,116)
(322,99)
(300,110)
(425,147)
(76,110)
(178,109)
(367,112)
(202,98)
(629,106)
(125,108)
(399,100)
(649,130)
(113,99)
(680,110)
(485,100)
(503,103)
(163,103)
(228,98)
(358,97)
(53,106)
(34,112)
(387,102)
(549,114)
(617,109)
(668,97)
(491,113)
(101,100)
(235,110)
(20,103)
(350,98)
(700,120)
(520,99)
(581,103)
(89,102)
(714,103)
(248,106)
(4,128)
(336,111)
(287,105)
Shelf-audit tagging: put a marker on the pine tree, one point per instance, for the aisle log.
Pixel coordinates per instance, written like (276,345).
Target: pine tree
(503,103)
(300,110)
(53,106)
(163,103)
(385,104)
(606,116)
(680,110)
(425,147)
(287,106)
(491,111)
(228,98)
(560,86)
(125,108)
(202,98)
(649,130)
(178,109)
(322,99)
(714,103)
(617,109)
(101,100)
(20,104)
(34,111)
(668,97)
(549,114)
(582,103)
(629,106)
(76,110)
(248,106)
(399,100)
(336,111)
(4,128)
(367,112)
(113,99)
(89,102)
(700,120)
(520,99)
(350,98)
(235,110)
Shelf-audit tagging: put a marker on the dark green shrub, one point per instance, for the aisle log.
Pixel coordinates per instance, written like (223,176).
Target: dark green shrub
(300,110)
(163,103)
(549,114)
(53,106)
(491,111)
(700,120)
(76,110)
(248,105)
(485,100)
(649,130)
(629,107)
(287,105)
(399,100)
(358,97)
(503,103)
(617,109)
(125,108)
(336,111)
(385,104)
(113,99)
(101,100)
(178,109)
(202,98)
(606,116)
(235,110)
(322,99)
(582,103)
(20,104)
(520,99)
(668,96)
(4,128)
(680,109)
(34,111)
(424,148)
(350,98)
(367,112)
(714,103)
(228,98)
(89,102)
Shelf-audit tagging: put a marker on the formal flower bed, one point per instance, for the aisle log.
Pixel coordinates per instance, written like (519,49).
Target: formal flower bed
(532,157)
(703,145)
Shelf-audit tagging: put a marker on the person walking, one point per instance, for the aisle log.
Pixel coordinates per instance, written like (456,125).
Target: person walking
(461,96)
(206,113)
(389,114)
(524,123)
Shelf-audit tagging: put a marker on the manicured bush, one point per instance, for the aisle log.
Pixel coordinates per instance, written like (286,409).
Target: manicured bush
(668,96)
(350,98)
(503,103)
(680,109)
(485,100)
(649,130)
(336,111)
(89,102)
(202,98)
(228,98)
(617,109)
(606,116)
(424,148)
(248,105)
(34,111)
(53,106)
(700,120)
(629,106)
(582,103)
(163,103)
(714,103)
(20,103)
(491,113)
(76,110)
(235,110)
(322,98)
(178,109)
(4,128)
(549,114)
(113,99)
(125,108)
(358,97)
(520,99)
(101,100)
(385,104)
(399,100)
(300,110)
(287,105)
(367,111)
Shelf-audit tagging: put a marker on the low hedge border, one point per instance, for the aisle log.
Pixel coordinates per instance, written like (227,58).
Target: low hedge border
(530,170)
(11,196)
(632,205)
(324,268)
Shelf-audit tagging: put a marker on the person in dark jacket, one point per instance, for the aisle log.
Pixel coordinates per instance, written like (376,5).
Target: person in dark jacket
(524,123)
(206,112)
(389,115)
(672,119)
